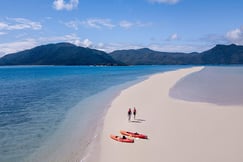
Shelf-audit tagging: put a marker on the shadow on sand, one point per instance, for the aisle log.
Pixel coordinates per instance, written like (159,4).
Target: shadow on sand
(138,120)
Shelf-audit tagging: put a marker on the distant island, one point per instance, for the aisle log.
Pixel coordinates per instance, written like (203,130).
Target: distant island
(59,54)
(69,54)
(220,54)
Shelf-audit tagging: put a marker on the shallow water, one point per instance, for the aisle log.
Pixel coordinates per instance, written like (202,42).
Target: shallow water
(36,103)
(222,85)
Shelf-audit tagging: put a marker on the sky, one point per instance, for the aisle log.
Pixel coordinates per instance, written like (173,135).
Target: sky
(108,25)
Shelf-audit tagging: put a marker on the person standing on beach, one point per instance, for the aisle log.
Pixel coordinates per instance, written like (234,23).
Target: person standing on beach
(129,114)
(134,112)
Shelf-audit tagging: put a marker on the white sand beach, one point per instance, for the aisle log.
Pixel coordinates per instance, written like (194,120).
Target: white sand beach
(178,131)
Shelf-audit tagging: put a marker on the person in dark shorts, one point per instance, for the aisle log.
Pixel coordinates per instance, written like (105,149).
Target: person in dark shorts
(134,112)
(129,113)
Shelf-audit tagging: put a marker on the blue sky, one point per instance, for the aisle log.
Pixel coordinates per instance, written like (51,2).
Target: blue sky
(164,25)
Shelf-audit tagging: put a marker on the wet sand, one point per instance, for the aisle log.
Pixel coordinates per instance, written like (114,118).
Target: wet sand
(221,85)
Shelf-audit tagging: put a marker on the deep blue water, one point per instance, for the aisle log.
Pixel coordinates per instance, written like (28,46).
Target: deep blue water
(34,100)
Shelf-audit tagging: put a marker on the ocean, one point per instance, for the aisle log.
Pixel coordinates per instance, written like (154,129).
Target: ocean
(53,113)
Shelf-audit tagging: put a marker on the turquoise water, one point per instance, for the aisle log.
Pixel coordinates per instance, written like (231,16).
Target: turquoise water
(34,101)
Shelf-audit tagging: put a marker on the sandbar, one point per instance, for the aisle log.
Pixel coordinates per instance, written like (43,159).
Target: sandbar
(178,130)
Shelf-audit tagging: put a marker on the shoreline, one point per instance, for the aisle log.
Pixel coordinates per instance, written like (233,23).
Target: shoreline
(113,92)
(69,143)
(75,145)
(178,130)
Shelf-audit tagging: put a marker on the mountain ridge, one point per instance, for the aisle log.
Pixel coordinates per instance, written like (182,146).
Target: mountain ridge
(220,54)
(70,54)
(59,54)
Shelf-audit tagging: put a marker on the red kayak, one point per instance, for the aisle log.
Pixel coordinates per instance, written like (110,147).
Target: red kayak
(135,135)
(122,139)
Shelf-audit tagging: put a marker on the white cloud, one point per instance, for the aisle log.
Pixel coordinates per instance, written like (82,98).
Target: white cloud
(3,33)
(71,38)
(73,24)
(3,26)
(235,36)
(164,1)
(83,43)
(98,23)
(19,24)
(62,5)
(87,43)
(143,24)
(11,47)
(23,23)
(173,37)
(109,47)
(126,24)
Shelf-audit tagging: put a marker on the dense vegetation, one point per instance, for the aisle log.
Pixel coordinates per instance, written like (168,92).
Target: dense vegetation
(69,54)
(220,54)
(146,56)
(59,54)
